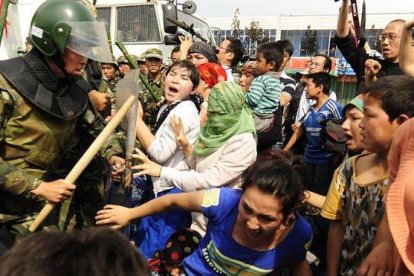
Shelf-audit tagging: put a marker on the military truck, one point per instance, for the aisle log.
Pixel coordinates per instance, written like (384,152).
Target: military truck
(139,24)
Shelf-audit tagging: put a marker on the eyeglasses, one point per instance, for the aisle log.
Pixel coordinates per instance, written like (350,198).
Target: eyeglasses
(225,49)
(391,37)
(311,63)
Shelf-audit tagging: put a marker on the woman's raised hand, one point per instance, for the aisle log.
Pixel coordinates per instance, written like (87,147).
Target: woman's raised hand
(177,126)
(147,167)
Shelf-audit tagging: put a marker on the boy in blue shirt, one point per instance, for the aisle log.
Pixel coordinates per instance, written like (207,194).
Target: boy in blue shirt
(319,162)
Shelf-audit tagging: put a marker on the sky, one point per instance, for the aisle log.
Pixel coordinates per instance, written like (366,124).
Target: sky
(248,8)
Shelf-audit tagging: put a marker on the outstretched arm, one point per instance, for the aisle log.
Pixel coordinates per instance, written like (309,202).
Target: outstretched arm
(406,58)
(342,27)
(295,137)
(314,199)
(185,45)
(119,216)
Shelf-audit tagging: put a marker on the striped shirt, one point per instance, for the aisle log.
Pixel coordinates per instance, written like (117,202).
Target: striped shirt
(264,94)
(288,84)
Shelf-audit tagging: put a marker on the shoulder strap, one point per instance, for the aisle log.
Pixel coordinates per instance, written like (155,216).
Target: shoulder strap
(164,115)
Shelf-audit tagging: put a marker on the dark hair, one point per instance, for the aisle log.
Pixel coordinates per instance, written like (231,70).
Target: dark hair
(96,251)
(280,174)
(287,46)
(193,73)
(176,49)
(395,94)
(236,47)
(272,51)
(321,78)
(327,64)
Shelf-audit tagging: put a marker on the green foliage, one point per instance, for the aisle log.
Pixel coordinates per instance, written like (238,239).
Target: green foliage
(309,42)
(255,33)
(256,36)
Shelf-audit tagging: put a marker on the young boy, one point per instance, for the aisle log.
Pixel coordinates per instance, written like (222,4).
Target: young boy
(353,114)
(355,201)
(319,162)
(264,93)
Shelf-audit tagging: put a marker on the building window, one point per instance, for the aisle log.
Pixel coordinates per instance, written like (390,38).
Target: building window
(137,24)
(104,14)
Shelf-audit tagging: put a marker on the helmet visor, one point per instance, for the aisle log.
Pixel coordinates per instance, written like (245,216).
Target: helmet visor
(89,39)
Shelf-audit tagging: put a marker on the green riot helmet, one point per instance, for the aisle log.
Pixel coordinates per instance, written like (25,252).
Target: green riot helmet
(60,24)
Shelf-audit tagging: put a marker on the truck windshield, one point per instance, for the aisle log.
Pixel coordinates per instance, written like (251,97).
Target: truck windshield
(199,26)
(137,24)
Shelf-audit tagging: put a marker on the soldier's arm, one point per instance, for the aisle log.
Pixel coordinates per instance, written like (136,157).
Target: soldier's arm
(12,179)
(15,181)
(93,124)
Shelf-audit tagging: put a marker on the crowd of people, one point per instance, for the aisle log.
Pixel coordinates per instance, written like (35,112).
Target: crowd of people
(239,169)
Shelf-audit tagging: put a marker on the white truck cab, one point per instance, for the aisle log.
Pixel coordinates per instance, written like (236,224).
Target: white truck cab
(139,24)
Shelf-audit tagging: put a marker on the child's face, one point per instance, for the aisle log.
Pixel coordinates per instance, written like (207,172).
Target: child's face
(260,213)
(376,128)
(353,117)
(178,85)
(262,66)
(312,91)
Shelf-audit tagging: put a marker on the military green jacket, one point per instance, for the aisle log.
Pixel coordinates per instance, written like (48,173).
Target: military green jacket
(32,144)
(149,104)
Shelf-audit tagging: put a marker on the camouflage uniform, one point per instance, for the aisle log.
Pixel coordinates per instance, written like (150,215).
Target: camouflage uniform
(33,140)
(150,105)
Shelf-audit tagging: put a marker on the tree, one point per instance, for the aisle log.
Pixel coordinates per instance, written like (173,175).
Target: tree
(235,25)
(255,34)
(309,42)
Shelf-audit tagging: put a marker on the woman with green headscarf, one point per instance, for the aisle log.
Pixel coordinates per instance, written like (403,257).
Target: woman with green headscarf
(224,149)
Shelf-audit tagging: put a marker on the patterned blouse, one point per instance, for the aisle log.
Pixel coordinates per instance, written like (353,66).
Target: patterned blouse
(360,207)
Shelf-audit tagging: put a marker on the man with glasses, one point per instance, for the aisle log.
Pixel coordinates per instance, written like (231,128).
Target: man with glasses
(358,56)
(230,52)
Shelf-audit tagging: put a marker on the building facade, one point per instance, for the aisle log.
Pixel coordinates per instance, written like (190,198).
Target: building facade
(294,27)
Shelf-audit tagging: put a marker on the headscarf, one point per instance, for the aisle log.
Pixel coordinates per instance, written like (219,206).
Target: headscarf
(355,102)
(205,49)
(211,73)
(400,197)
(228,115)
(249,68)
